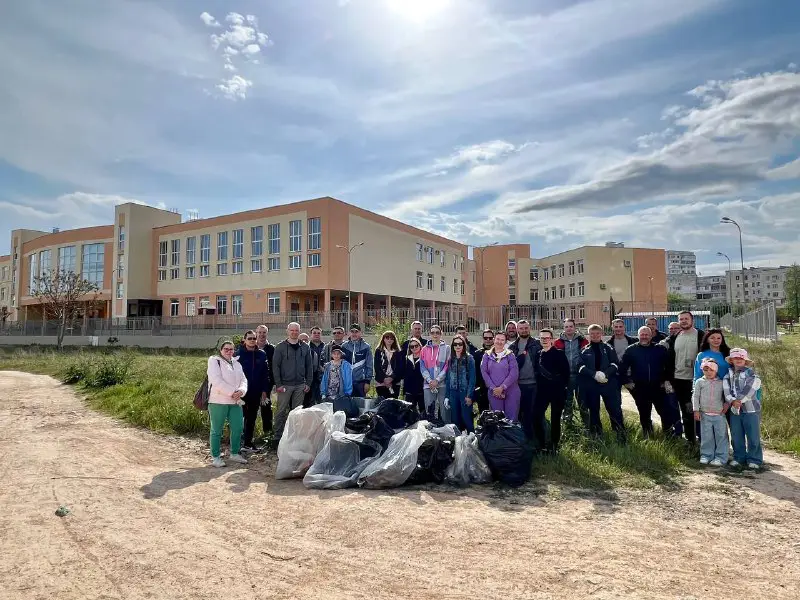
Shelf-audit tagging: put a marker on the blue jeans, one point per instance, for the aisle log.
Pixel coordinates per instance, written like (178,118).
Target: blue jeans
(714,437)
(460,413)
(746,438)
(526,410)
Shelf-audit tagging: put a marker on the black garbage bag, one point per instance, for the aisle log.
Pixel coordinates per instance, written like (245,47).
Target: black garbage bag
(505,447)
(372,426)
(347,405)
(433,457)
(398,414)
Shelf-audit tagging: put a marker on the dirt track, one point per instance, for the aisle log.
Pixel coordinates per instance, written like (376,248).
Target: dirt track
(150,520)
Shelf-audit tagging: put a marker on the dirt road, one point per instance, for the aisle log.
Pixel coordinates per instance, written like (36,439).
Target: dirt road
(149,519)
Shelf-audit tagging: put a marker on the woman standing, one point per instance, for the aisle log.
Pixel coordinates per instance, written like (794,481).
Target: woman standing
(713,346)
(461,384)
(501,374)
(227,385)
(412,376)
(388,363)
(337,378)
(435,359)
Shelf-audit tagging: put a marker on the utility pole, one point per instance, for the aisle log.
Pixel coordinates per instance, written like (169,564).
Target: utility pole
(349,251)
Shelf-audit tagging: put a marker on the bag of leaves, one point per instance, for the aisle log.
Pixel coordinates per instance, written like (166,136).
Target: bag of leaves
(505,447)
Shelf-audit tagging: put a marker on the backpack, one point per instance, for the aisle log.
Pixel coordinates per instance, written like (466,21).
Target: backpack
(202,394)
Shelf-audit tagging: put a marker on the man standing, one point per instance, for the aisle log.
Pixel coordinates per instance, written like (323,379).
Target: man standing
(358,353)
(256,370)
(658,336)
(481,393)
(416,332)
(511,333)
(262,343)
(462,331)
(316,346)
(571,343)
(599,378)
(620,340)
(647,364)
(525,348)
(293,375)
(682,350)
(338,340)
(552,374)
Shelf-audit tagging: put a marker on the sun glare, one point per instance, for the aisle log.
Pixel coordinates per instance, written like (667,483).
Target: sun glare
(417,10)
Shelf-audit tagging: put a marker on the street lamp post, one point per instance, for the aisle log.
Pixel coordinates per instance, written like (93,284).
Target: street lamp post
(349,250)
(629,265)
(729,221)
(730,275)
(652,303)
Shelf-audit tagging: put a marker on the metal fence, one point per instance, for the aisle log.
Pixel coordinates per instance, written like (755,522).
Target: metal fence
(758,324)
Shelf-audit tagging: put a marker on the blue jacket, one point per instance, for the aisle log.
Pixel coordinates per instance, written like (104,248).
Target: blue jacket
(359,354)
(347,379)
(257,371)
(461,377)
(647,364)
(609,363)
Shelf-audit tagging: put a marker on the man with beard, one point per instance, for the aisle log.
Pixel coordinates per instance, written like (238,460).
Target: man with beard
(682,350)
(511,333)
(525,348)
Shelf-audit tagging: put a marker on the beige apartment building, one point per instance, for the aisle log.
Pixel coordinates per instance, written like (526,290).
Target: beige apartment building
(758,284)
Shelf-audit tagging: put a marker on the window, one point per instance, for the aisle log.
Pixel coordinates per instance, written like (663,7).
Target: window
(162,274)
(174,307)
(189,272)
(563,313)
(512,280)
(190,307)
(2,293)
(175,273)
(534,274)
(580,265)
(255,265)
(553,292)
(238,243)
(462,287)
(222,245)
(546,274)
(274,235)
(120,290)
(546,293)
(45,263)
(204,271)
(571,265)
(419,280)
(295,236)
(419,253)
(274,303)
(176,253)
(236,304)
(561,270)
(314,259)
(204,302)
(430,282)
(222,305)
(512,263)
(455,262)
(295,261)
(455,286)
(205,248)
(571,290)
(429,254)
(443,284)
(581,313)
(581,289)
(32,274)
(274,264)
(93,259)
(535,295)
(191,250)
(222,269)
(238,267)
(162,254)
(314,234)
(562,292)
(442,258)
(121,239)
(553,272)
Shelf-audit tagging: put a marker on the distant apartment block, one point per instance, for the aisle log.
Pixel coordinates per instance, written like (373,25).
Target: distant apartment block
(712,290)
(759,284)
(681,267)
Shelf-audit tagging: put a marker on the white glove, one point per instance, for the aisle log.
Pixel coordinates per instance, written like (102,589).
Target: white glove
(600,377)
(668,387)
(447,403)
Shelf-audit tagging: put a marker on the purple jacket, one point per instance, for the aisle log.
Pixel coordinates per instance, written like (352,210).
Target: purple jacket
(504,372)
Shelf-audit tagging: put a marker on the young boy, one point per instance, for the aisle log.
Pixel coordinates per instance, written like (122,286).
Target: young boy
(743,392)
(708,403)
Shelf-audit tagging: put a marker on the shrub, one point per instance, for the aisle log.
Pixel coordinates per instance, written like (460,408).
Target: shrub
(75,372)
(110,370)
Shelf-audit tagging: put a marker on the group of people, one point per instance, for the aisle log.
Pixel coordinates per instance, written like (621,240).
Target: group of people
(511,371)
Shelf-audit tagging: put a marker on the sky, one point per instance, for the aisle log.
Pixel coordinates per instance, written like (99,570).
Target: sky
(559,123)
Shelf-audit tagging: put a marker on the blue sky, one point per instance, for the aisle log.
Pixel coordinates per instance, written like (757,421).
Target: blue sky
(559,123)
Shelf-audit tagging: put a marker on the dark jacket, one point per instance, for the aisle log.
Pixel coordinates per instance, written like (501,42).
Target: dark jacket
(572,349)
(380,364)
(404,345)
(292,366)
(270,351)
(412,377)
(478,356)
(358,355)
(646,363)
(609,363)
(256,370)
(659,336)
(552,369)
(670,366)
(316,360)
(531,347)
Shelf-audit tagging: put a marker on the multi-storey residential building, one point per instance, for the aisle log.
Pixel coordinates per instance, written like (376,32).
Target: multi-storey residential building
(5,286)
(681,267)
(579,283)
(759,284)
(711,290)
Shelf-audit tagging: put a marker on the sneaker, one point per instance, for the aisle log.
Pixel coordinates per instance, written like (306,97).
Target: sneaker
(716,463)
(753,466)
(734,464)
(237,458)
(218,462)
(704,460)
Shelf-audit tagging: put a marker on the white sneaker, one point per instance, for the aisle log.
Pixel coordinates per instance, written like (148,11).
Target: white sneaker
(734,464)
(753,466)
(237,458)
(704,460)
(716,463)
(218,462)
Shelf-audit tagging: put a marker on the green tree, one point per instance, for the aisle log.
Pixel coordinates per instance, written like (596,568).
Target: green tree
(65,297)
(676,301)
(792,289)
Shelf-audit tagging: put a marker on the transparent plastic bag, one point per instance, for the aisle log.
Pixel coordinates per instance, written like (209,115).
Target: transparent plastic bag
(399,460)
(447,432)
(305,434)
(469,465)
(341,461)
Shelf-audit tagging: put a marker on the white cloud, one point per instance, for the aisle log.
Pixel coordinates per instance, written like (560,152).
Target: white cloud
(209,20)
(234,88)
(251,49)
(229,67)
(234,18)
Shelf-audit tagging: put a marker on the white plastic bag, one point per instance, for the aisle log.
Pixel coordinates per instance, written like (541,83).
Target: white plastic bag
(305,434)
(447,432)
(341,461)
(399,460)
(469,465)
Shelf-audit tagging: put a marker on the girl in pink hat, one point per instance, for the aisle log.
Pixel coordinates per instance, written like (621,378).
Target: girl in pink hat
(743,392)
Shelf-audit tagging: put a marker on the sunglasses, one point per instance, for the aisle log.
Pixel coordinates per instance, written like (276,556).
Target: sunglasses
(488,339)
(249,339)
(412,346)
(457,344)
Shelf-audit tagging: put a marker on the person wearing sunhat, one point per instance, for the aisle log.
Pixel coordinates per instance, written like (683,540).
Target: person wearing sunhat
(742,388)
(337,378)
(359,354)
(709,406)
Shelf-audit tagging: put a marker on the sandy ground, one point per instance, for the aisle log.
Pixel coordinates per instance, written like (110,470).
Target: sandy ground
(149,519)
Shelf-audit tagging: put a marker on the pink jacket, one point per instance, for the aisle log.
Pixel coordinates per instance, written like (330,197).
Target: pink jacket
(225,379)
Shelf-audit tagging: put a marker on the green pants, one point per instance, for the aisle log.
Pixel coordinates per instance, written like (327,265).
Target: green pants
(219,413)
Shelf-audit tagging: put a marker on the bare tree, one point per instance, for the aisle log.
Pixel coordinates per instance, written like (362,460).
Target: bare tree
(64,297)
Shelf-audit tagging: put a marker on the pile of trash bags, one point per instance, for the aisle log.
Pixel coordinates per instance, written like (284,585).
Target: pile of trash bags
(390,446)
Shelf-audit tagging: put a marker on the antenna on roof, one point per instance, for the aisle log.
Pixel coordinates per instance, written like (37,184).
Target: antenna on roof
(174,210)
(192,214)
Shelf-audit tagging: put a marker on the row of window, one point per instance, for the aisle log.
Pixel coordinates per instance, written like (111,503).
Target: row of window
(236,303)
(574,290)
(421,279)
(92,264)
(426,254)
(237,267)
(572,267)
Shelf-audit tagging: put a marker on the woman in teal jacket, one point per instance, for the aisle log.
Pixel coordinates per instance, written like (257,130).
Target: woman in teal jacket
(461,384)
(337,379)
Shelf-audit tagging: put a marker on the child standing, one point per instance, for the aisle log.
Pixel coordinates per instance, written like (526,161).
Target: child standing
(708,403)
(743,392)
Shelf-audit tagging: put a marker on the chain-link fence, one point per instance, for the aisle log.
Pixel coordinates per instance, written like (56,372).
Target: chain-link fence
(760,324)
